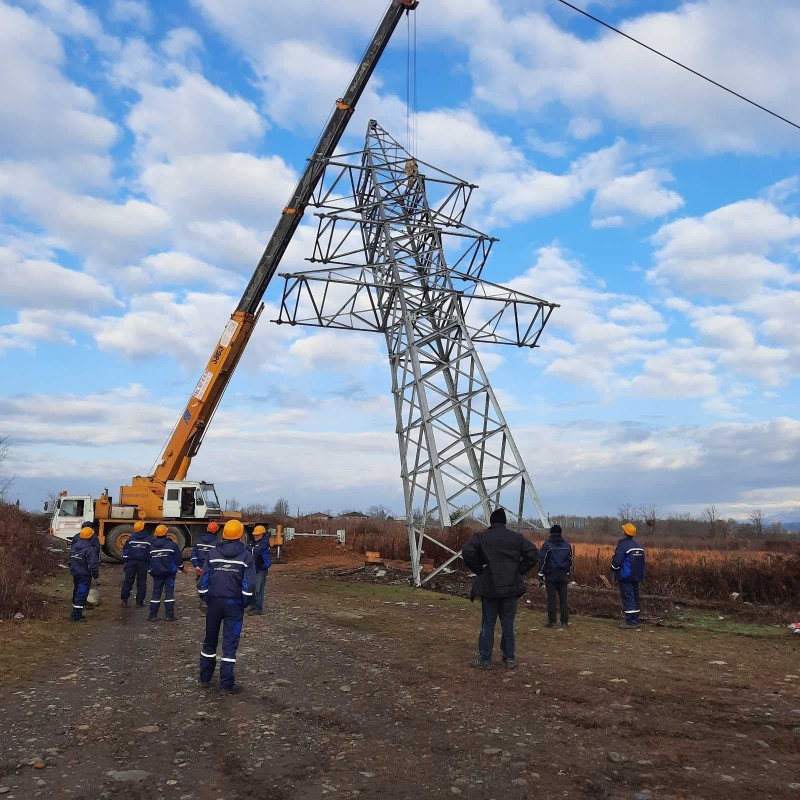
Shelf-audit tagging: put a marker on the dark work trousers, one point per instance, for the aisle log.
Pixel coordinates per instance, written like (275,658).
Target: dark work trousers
(629,591)
(556,583)
(258,593)
(135,570)
(167,584)
(80,591)
(506,609)
(227,613)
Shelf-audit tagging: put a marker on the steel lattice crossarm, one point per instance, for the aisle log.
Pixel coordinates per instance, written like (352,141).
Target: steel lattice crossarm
(399,260)
(348,298)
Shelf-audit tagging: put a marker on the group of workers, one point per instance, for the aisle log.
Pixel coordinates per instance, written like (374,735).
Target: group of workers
(500,557)
(231,577)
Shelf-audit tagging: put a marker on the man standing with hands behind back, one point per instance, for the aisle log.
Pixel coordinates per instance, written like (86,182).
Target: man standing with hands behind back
(499,558)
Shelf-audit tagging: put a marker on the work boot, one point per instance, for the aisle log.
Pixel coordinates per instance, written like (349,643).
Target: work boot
(152,619)
(565,624)
(204,684)
(479,664)
(550,625)
(80,619)
(140,605)
(510,663)
(172,619)
(235,689)
(124,602)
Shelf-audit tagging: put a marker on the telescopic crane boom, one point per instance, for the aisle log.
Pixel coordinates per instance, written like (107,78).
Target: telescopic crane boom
(187,436)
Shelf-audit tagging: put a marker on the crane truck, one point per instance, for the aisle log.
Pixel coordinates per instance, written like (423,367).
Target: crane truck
(167,496)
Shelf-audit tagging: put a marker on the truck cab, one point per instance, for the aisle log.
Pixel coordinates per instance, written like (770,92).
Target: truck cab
(190,500)
(69,514)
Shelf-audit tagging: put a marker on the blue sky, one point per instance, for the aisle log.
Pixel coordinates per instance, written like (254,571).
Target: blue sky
(146,150)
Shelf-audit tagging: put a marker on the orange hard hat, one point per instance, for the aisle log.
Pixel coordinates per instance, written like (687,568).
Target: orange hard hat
(212,527)
(138,526)
(259,530)
(629,529)
(161,530)
(86,532)
(233,529)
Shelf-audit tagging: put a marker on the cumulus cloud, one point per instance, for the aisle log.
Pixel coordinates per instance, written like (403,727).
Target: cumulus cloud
(641,195)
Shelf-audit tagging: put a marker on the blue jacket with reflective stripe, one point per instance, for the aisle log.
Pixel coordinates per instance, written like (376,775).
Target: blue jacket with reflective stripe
(83,561)
(229,573)
(260,552)
(628,561)
(165,557)
(137,548)
(202,547)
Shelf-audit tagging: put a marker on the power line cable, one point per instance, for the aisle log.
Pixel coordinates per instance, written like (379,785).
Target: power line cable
(679,64)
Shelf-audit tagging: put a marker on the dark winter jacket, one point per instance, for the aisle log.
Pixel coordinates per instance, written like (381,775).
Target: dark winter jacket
(261,557)
(202,547)
(229,573)
(555,556)
(138,546)
(83,561)
(499,558)
(165,557)
(628,561)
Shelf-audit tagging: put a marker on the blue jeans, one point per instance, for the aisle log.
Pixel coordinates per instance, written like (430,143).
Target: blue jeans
(629,591)
(165,583)
(258,592)
(228,614)
(506,609)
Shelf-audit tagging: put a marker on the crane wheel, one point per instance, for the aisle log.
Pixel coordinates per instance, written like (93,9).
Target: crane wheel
(115,540)
(177,536)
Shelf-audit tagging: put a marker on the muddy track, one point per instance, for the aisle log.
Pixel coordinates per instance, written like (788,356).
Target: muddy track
(363,691)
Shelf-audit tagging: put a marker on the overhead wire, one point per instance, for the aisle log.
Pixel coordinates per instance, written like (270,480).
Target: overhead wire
(679,64)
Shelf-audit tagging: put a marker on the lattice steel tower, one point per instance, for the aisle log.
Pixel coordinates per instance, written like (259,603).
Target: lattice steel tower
(386,223)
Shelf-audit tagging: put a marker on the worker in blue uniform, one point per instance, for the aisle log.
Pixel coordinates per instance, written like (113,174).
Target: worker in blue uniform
(84,565)
(627,566)
(135,554)
(262,563)
(203,546)
(226,585)
(163,564)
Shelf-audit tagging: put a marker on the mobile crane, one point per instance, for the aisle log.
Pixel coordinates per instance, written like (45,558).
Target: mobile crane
(166,496)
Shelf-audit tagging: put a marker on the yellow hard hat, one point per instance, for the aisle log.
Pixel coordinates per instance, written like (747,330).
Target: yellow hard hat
(161,530)
(629,529)
(138,526)
(233,529)
(259,530)
(86,532)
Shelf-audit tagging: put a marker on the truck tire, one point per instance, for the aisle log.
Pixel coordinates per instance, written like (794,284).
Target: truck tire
(177,535)
(115,540)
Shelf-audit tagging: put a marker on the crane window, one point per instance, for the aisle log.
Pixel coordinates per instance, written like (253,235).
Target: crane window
(71,508)
(172,494)
(211,497)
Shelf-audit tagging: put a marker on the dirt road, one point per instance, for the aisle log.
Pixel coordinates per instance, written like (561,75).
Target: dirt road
(354,690)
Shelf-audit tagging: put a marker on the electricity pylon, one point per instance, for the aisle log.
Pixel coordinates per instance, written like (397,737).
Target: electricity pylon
(386,222)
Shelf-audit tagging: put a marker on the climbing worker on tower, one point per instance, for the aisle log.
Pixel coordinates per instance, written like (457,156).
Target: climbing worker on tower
(262,562)
(163,563)
(628,568)
(135,553)
(202,546)
(84,565)
(226,585)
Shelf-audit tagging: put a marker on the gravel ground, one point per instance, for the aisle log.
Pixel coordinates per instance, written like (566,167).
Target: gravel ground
(359,690)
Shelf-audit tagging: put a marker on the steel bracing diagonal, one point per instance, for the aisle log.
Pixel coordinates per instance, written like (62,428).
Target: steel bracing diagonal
(398,260)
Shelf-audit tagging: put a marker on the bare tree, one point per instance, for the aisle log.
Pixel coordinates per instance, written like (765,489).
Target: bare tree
(649,514)
(627,512)
(378,511)
(713,518)
(281,507)
(757,520)
(5,480)
(232,504)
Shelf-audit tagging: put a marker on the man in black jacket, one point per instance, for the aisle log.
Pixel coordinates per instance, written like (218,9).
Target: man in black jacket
(499,558)
(555,565)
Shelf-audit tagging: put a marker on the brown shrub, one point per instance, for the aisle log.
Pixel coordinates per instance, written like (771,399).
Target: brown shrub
(25,561)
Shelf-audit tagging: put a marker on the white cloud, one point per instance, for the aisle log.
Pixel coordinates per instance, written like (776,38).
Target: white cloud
(191,117)
(40,94)
(40,284)
(642,195)
(341,351)
(136,12)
